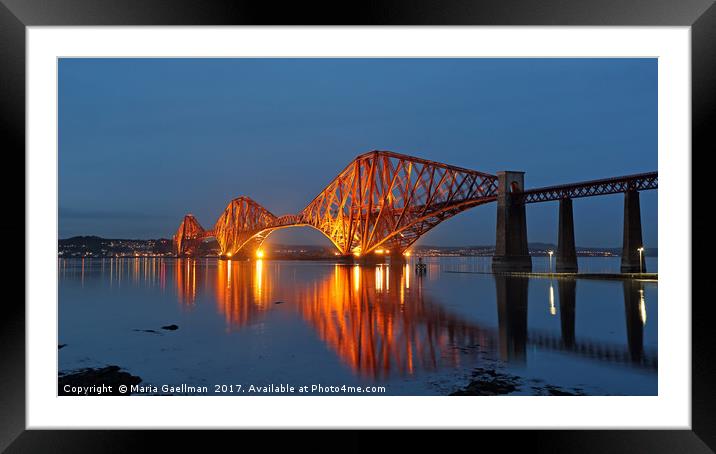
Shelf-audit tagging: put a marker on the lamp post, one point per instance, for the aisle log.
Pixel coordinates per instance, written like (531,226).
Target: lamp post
(550,260)
(641,250)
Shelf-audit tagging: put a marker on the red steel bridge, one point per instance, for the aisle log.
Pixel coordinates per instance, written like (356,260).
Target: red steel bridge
(382,202)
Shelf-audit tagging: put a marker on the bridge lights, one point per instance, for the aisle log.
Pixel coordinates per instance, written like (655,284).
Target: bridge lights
(228,254)
(406,253)
(260,254)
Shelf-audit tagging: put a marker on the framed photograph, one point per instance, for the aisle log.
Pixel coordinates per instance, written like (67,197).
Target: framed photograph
(452,216)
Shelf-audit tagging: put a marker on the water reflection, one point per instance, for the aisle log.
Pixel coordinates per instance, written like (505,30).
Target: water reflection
(567,310)
(379,320)
(379,325)
(512,316)
(242,291)
(372,317)
(148,271)
(635,309)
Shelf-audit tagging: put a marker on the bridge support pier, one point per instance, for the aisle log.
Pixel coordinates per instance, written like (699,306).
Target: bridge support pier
(370,259)
(511,252)
(566,250)
(398,259)
(348,258)
(631,257)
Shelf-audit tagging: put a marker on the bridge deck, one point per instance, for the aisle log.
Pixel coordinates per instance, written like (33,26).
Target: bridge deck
(615,185)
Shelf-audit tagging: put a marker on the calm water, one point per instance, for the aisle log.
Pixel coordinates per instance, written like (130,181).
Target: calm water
(349,325)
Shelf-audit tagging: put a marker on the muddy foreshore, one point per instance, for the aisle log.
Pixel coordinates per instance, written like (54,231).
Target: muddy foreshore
(490,382)
(95,381)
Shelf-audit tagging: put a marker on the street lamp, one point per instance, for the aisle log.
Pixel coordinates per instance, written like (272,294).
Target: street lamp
(641,250)
(550,260)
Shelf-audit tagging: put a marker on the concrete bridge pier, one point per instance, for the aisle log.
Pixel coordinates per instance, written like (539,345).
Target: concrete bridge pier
(566,250)
(511,252)
(632,235)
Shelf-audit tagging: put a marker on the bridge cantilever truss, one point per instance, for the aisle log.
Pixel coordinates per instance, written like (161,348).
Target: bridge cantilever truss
(189,236)
(388,200)
(381,200)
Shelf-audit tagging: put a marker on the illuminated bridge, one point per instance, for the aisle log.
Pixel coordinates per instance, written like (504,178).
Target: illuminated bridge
(383,202)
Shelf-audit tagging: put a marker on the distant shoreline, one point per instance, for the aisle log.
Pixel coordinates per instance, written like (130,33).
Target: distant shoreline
(94,246)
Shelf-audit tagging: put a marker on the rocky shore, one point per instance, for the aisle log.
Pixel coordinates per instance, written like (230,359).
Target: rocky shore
(108,379)
(490,382)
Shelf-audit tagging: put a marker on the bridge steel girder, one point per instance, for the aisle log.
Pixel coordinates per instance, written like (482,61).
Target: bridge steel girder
(381,200)
(616,185)
(385,200)
(188,236)
(241,220)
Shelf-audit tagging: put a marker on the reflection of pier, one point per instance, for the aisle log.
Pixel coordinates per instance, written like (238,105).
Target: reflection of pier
(512,316)
(514,335)
(567,310)
(377,319)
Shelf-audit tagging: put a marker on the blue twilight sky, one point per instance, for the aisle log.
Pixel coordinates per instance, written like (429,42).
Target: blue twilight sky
(144,141)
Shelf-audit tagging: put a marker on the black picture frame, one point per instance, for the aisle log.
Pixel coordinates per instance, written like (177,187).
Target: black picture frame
(700,15)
